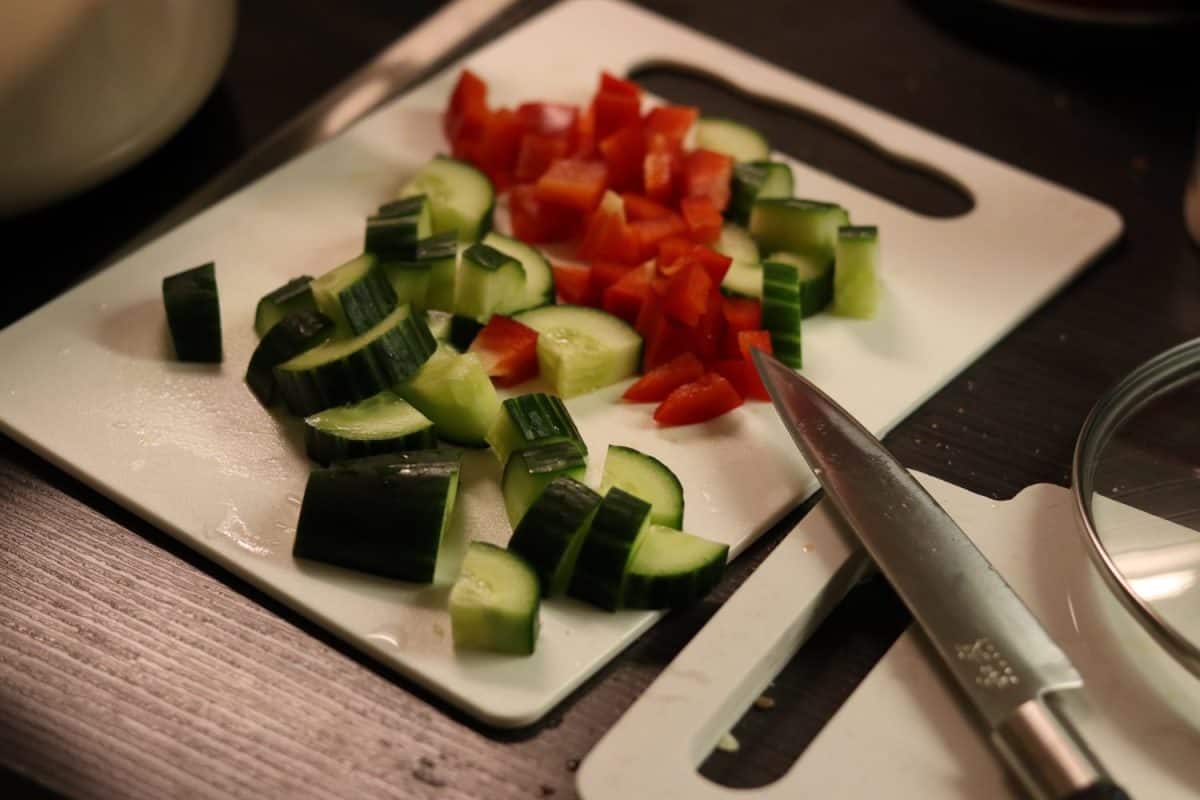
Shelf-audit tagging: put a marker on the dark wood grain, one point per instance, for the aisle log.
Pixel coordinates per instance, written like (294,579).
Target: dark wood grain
(130,667)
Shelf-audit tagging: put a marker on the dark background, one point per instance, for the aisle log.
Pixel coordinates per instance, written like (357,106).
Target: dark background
(131,667)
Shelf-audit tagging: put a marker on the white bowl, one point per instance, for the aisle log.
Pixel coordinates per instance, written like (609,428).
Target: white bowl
(88,87)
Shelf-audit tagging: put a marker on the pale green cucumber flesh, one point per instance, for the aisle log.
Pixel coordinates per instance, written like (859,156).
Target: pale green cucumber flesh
(494,602)
(644,476)
(454,391)
(672,569)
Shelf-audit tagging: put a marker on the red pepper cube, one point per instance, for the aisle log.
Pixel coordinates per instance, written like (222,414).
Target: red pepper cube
(707,174)
(760,340)
(573,182)
(702,218)
(624,298)
(573,284)
(613,111)
(664,340)
(687,295)
(624,152)
(662,169)
(536,221)
(496,152)
(611,83)
(671,122)
(548,119)
(507,349)
(607,235)
(638,208)
(703,399)
(714,263)
(536,153)
(467,112)
(648,233)
(744,378)
(655,385)
(670,251)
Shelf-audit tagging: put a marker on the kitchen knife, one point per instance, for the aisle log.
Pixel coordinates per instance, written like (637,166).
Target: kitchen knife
(1000,655)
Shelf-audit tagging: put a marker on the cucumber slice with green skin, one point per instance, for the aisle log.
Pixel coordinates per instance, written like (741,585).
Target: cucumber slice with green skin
(461,197)
(295,334)
(539,280)
(488,281)
(616,531)
(454,390)
(856,277)
(530,420)
(781,311)
(529,472)
(394,231)
(580,349)
(753,180)
(293,296)
(348,370)
(673,569)
(385,515)
(494,602)
(194,314)
(744,276)
(646,477)
(355,295)
(816,280)
(382,423)
(808,227)
(552,532)
(410,282)
(738,141)
(440,254)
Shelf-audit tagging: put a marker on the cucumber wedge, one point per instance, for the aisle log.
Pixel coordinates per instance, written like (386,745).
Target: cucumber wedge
(194,314)
(355,295)
(293,296)
(856,277)
(488,281)
(744,276)
(581,349)
(531,420)
(385,515)
(440,254)
(646,477)
(808,227)
(551,533)
(816,280)
(461,197)
(612,540)
(539,280)
(394,231)
(380,424)
(494,603)
(455,392)
(295,334)
(753,180)
(673,569)
(529,472)
(782,311)
(739,142)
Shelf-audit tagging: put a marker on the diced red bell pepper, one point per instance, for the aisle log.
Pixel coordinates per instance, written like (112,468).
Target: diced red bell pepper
(536,153)
(647,233)
(573,182)
(583,143)
(496,151)
(672,122)
(624,152)
(639,208)
(744,378)
(713,262)
(573,284)
(742,313)
(607,235)
(663,340)
(707,174)
(670,251)
(624,298)
(536,221)
(507,349)
(703,219)
(661,169)
(611,83)
(709,396)
(606,273)
(655,385)
(687,295)
(760,340)
(548,119)
(709,332)
(467,112)
(651,309)
(614,110)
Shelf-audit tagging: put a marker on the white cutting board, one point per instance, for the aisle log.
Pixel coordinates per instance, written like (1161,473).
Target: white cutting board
(88,382)
(905,732)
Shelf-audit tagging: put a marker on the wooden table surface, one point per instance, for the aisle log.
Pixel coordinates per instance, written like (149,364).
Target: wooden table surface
(130,667)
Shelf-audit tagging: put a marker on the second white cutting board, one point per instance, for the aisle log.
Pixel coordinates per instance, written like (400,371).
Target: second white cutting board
(88,381)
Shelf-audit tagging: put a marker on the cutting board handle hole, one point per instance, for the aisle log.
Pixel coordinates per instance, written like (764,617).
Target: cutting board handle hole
(809,136)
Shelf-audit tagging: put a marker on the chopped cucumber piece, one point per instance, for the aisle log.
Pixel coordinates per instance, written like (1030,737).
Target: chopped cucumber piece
(494,603)
(293,296)
(781,311)
(552,532)
(529,472)
(194,313)
(581,349)
(539,280)
(489,281)
(355,295)
(753,180)
(646,477)
(673,569)
(439,325)
(744,276)
(531,420)
(616,532)
(856,277)
(295,334)
(739,142)
(816,280)
(463,331)
(454,391)
(393,232)
(461,197)
(382,423)
(410,282)
(348,370)
(385,515)
(440,253)
(797,226)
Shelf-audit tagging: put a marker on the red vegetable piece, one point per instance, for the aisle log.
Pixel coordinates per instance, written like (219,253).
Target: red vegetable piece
(534,220)
(703,219)
(605,273)
(687,295)
(651,310)
(614,110)
(611,83)
(760,340)
(548,119)
(573,284)
(744,378)
(703,399)
(706,339)
(467,112)
(624,298)
(638,208)
(624,152)
(536,153)
(648,233)
(496,152)
(707,174)
(607,235)
(507,349)
(584,140)
(742,313)
(664,339)
(659,382)
(670,251)
(573,182)
(671,122)
(713,262)
(661,170)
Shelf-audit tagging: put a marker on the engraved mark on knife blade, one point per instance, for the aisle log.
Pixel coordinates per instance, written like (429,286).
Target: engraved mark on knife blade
(993,671)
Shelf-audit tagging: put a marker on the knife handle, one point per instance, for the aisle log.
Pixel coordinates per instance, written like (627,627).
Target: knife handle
(1101,790)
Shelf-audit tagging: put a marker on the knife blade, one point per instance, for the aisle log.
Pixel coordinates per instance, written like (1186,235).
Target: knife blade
(999,654)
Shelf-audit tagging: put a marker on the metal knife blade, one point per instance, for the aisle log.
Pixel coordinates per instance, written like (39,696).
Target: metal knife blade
(1000,655)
